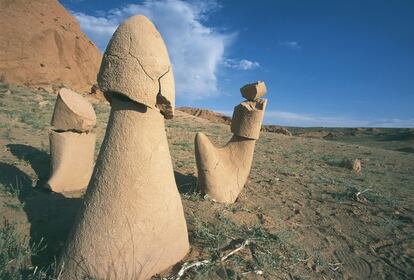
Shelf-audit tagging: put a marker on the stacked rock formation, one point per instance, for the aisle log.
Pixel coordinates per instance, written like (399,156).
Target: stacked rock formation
(72,144)
(131,224)
(223,172)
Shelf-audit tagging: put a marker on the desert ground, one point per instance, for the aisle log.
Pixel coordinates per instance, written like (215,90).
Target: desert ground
(301,215)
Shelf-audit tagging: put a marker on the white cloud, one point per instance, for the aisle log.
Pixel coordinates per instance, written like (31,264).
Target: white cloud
(242,64)
(196,51)
(303,120)
(293,45)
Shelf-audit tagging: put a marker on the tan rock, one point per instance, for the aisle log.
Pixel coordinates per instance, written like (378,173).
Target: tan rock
(136,64)
(247,118)
(356,166)
(71,161)
(223,172)
(73,112)
(253,91)
(131,224)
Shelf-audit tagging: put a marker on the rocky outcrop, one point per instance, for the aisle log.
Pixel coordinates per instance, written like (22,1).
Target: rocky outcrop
(206,114)
(42,45)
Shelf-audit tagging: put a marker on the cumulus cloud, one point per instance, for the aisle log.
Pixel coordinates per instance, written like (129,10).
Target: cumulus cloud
(304,120)
(242,64)
(196,50)
(293,45)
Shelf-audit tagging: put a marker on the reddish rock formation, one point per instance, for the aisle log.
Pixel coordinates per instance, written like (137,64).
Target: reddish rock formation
(41,45)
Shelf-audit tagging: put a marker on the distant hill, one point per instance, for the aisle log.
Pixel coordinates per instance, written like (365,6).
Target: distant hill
(206,114)
(41,44)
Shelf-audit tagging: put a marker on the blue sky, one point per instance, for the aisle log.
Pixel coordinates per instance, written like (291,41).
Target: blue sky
(325,63)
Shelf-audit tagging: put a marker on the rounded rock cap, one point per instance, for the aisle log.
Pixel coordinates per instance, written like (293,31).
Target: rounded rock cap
(73,112)
(253,91)
(136,65)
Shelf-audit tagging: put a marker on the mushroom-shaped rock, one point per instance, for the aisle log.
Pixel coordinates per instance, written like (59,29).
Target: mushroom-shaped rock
(247,118)
(72,145)
(223,172)
(253,91)
(73,112)
(136,64)
(71,161)
(131,224)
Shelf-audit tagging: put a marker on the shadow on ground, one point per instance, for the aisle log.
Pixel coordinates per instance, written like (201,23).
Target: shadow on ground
(38,160)
(186,184)
(50,215)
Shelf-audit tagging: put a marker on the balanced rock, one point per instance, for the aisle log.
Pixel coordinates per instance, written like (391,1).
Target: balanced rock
(131,224)
(72,145)
(253,91)
(223,172)
(73,112)
(247,118)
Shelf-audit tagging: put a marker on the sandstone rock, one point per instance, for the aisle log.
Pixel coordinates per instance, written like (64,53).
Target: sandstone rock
(42,44)
(223,172)
(136,64)
(131,224)
(73,112)
(71,161)
(253,91)
(247,118)
(354,164)
(72,148)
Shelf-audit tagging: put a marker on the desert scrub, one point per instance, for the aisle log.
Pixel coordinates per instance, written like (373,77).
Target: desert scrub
(15,254)
(263,251)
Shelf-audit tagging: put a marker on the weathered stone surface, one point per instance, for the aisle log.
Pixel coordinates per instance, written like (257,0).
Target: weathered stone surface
(41,44)
(223,172)
(73,112)
(247,118)
(72,158)
(253,91)
(131,224)
(136,64)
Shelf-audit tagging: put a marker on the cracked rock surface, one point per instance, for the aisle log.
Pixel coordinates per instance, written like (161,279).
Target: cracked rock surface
(131,224)
(72,145)
(136,64)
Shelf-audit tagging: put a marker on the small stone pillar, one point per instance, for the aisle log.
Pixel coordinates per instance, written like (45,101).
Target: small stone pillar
(223,172)
(72,144)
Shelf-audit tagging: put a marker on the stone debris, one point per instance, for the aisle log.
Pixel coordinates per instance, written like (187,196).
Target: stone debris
(223,172)
(131,225)
(72,144)
(254,91)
